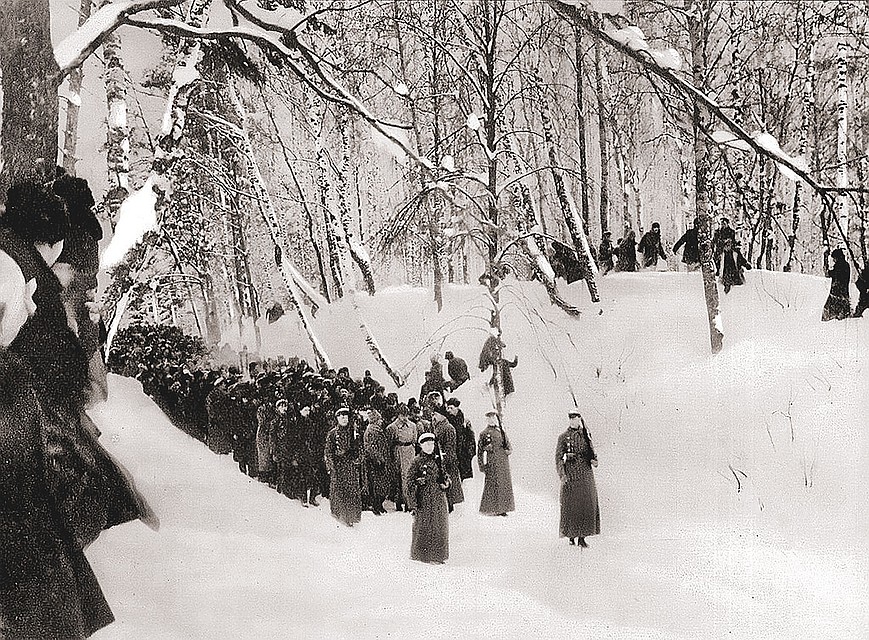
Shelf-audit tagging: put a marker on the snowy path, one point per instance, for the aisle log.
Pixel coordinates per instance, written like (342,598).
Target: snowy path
(682,554)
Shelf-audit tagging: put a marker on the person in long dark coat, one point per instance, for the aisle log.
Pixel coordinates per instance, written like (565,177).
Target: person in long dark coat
(722,234)
(606,253)
(466,441)
(838,305)
(691,254)
(310,457)
(574,459)
(493,451)
(732,264)
(402,438)
(217,407)
(377,467)
(627,251)
(863,287)
(427,485)
(457,369)
(445,434)
(266,418)
(342,455)
(651,247)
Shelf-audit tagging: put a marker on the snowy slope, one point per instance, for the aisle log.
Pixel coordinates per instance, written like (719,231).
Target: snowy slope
(685,552)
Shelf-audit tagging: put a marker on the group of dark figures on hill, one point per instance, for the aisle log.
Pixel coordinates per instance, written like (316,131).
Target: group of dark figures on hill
(730,263)
(59,488)
(309,434)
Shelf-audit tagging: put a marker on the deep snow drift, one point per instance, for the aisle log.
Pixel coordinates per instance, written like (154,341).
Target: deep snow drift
(733,489)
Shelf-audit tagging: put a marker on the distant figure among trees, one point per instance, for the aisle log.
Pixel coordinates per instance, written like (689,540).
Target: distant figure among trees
(651,247)
(723,233)
(732,265)
(626,251)
(838,305)
(606,253)
(691,254)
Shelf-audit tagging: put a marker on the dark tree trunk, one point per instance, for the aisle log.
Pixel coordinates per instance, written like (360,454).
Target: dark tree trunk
(30,88)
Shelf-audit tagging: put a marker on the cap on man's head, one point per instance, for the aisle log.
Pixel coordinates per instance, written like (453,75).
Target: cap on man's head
(343,411)
(426,437)
(448,355)
(455,402)
(574,413)
(491,412)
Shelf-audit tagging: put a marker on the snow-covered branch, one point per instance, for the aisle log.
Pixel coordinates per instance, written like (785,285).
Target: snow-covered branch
(631,42)
(80,44)
(334,92)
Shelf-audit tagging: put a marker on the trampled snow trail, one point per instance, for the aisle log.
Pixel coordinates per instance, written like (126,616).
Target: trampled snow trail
(685,552)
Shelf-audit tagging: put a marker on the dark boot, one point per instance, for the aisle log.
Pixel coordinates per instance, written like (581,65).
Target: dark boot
(583,543)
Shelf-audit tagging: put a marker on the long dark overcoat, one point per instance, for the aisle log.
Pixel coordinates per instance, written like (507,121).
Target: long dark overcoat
(838,305)
(445,433)
(342,455)
(426,496)
(47,588)
(580,513)
(377,462)
(493,451)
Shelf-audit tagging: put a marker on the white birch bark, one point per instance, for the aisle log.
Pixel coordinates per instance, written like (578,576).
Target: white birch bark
(842,136)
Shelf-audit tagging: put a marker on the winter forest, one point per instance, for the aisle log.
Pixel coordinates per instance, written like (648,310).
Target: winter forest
(370,183)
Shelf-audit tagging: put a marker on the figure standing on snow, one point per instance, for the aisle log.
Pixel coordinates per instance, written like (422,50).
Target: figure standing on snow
(627,251)
(457,370)
(605,254)
(691,254)
(342,462)
(402,437)
(838,305)
(732,264)
(651,247)
(493,451)
(377,465)
(574,459)
(427,484)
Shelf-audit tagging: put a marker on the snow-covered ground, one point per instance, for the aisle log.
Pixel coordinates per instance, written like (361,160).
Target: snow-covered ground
(734,490)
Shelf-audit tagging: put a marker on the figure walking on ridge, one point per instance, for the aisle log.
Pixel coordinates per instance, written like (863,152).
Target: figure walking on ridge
(863,287)
(606,253)
(627,251)
(691,254)
(651,247)
(723,233)
(732,265)
(838,305)
(574,459)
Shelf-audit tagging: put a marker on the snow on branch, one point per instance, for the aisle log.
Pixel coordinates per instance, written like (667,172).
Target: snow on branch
(334,92)
(137,216)
(631,42)
(81,43)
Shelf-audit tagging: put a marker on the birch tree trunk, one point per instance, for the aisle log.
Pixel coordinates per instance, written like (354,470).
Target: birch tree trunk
(581,127)
(599,63)
(568,207)
(357,250)
(697,35)
(806,52)
(842,137)
(73,106)
(118,139)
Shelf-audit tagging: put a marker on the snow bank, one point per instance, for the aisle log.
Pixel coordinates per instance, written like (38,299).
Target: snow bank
(733,489)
